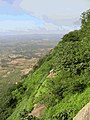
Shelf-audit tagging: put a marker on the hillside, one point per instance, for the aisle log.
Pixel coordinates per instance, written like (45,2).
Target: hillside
(59,85)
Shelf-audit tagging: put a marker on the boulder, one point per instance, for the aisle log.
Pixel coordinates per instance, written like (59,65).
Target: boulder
(84,113)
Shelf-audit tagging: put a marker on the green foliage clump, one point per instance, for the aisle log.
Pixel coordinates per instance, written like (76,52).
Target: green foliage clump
(85,20)
(24,116)
(62,116)
(72,36)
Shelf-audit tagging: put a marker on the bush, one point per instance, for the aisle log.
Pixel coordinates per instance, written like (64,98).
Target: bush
(24,116)
(12,102)
(62,116)
(71,37)
(79,87)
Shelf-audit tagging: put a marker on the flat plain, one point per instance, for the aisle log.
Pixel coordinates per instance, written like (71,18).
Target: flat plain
(18,55)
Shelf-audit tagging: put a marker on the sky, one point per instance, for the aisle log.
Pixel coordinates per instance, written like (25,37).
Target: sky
(41,16)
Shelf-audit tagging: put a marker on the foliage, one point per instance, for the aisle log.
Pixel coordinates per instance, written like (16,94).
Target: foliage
(85,20)
(62,116)
(24,116)
(71,37)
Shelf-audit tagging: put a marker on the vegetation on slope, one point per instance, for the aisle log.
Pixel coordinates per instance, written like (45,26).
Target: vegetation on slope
(60,81)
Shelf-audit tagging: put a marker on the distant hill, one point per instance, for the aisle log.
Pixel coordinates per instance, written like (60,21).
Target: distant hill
(59,85)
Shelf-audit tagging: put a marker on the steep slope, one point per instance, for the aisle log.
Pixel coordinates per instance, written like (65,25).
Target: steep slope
(60,82)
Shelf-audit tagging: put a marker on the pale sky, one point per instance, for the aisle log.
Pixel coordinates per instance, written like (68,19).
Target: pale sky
(41,16)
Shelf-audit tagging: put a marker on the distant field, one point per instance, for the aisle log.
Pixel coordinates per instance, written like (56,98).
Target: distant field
(18,55)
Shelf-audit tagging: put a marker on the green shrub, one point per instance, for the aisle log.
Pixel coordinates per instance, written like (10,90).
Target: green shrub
(24,116)
(71,37)
(79,87)
(62,116)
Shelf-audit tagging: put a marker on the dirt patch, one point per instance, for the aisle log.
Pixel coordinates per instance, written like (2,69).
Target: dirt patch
(26,71)
(51,74)
(22,61)
(38,110)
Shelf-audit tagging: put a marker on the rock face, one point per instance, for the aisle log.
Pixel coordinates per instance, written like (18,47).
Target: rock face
(84,113)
